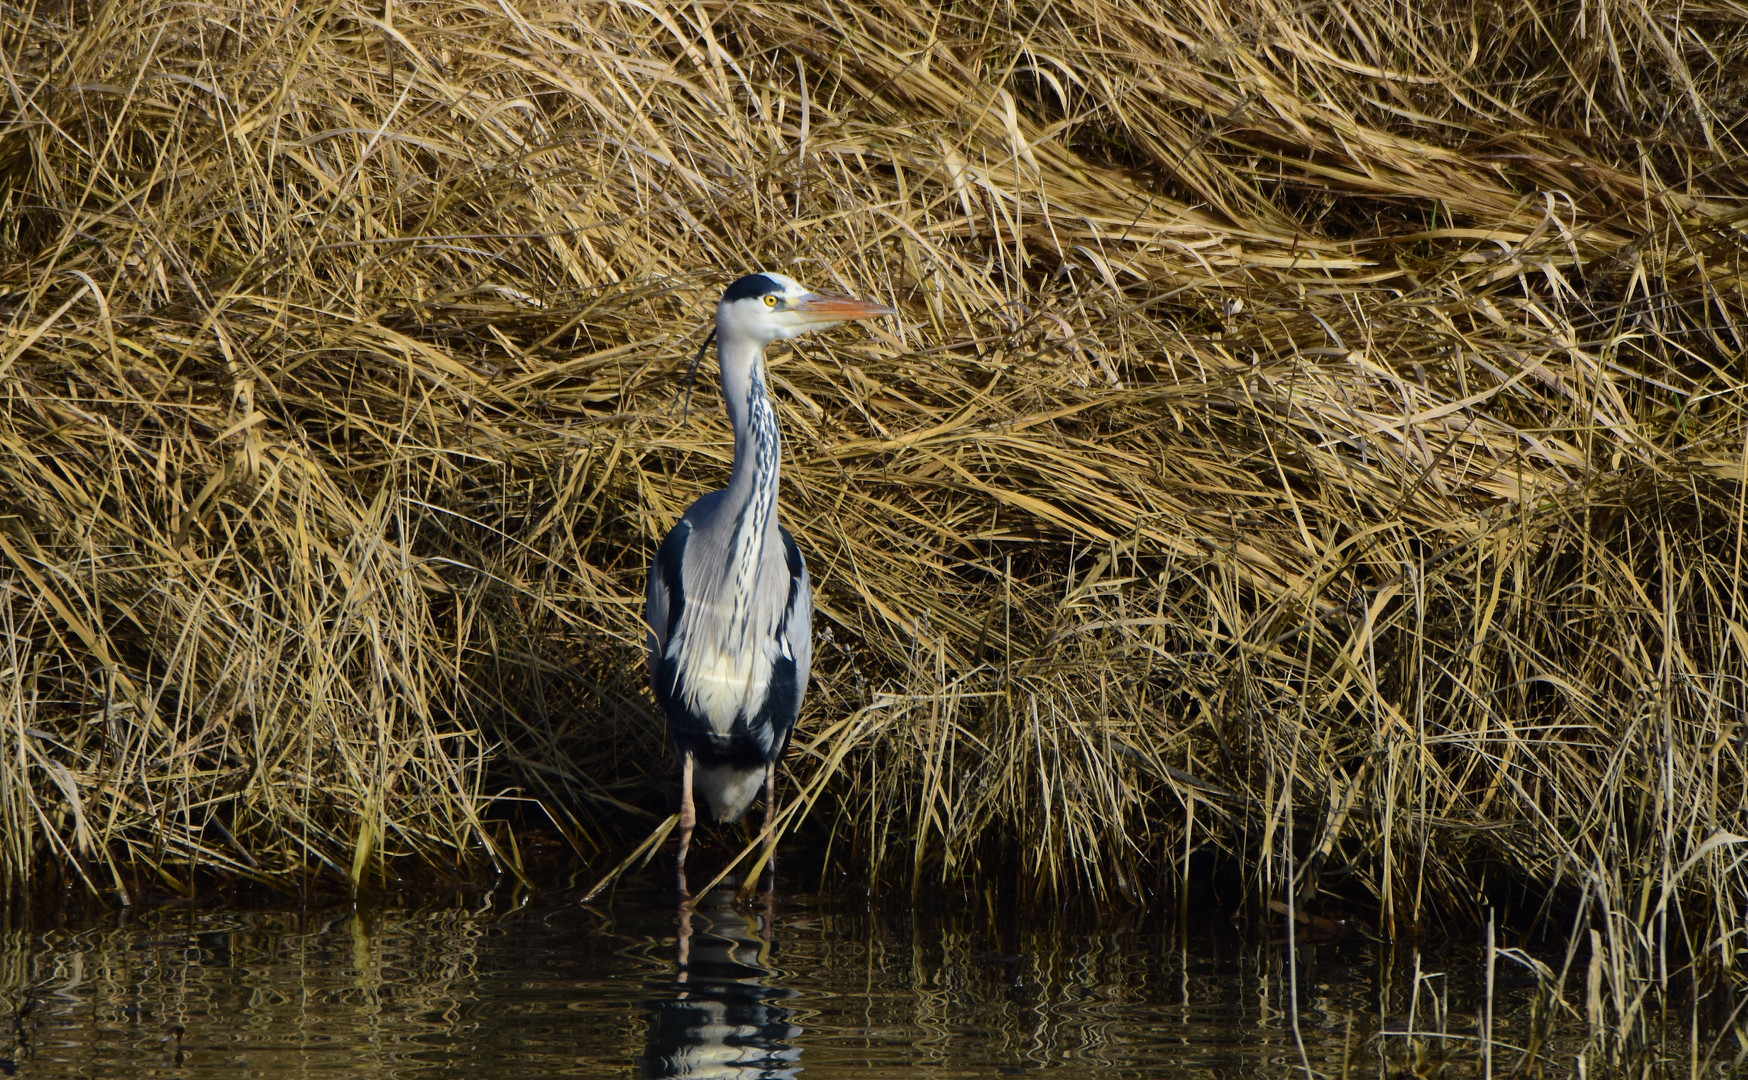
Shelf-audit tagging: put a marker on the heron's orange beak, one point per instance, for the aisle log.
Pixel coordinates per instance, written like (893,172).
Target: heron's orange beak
(824,308)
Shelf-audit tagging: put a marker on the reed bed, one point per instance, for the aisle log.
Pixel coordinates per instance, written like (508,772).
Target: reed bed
(1314,433)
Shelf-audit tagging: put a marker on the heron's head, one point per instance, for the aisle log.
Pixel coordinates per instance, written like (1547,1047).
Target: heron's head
(769,307)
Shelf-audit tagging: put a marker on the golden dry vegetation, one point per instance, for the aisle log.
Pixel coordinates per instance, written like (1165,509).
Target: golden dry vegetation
(1314,433)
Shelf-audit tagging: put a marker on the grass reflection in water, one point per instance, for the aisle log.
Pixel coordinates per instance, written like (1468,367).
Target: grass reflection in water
(550,988)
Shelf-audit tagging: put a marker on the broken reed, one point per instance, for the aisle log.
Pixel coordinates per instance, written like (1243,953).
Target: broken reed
(1306,423)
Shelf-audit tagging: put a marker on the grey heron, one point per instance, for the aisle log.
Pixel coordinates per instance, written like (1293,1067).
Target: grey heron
(729,605)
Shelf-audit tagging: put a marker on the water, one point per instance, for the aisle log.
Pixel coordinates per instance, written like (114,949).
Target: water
(547,988)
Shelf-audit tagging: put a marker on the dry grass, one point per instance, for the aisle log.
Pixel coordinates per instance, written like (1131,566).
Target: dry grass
(1294,407)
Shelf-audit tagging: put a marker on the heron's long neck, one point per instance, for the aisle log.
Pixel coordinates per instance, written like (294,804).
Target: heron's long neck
(752,487)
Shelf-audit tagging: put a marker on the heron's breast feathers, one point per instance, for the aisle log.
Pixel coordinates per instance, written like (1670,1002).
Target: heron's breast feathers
(726,650)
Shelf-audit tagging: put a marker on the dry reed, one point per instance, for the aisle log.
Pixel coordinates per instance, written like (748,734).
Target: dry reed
(1314,432)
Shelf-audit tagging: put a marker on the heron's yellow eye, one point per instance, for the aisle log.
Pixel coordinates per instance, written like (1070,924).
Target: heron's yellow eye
(770,301)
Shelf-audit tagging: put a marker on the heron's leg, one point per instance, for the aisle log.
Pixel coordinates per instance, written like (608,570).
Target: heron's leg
(688,819)
(770,824)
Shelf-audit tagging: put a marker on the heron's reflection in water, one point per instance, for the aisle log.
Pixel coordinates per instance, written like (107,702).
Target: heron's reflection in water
(720,1016)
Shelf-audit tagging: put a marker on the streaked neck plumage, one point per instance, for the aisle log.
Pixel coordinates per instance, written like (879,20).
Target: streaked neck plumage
(752,487)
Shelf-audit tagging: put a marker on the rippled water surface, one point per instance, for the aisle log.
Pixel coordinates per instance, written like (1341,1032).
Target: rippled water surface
(632,988)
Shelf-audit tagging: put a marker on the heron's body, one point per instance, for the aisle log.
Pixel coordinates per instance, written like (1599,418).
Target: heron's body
(729,669)
(729,604)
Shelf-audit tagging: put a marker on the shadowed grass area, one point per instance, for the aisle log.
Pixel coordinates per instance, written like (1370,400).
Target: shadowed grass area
(1314,433)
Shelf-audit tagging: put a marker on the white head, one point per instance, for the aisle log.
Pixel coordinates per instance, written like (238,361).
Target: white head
(767,307)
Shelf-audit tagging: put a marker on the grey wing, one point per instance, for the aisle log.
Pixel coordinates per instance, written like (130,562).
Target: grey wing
(798,620)
(665,598)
